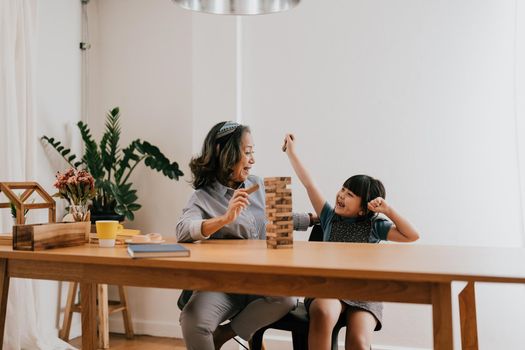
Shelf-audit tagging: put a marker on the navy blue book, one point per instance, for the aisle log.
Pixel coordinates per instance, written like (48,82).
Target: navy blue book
(157,250)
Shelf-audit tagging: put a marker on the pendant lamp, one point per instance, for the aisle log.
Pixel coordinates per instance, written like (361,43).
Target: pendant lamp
(237,7)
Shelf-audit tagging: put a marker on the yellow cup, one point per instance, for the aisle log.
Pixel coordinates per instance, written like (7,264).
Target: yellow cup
(107,231)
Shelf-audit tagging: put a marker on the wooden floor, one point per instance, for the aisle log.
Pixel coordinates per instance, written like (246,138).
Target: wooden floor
(142,342)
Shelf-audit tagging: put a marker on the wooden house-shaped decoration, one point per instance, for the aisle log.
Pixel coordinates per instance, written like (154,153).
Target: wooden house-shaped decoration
(20,201)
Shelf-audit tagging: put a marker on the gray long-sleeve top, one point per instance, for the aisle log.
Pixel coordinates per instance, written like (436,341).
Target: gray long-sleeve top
(212,201)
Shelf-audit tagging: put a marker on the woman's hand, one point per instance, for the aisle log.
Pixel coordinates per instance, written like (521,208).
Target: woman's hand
(238,202)
(379,205)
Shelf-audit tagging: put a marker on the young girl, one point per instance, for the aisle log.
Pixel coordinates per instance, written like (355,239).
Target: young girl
(354,218)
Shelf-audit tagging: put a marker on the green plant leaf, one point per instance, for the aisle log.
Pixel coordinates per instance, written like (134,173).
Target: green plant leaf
(134,207)
(112,166)
(62,151)
(109,145)
(156,160)
(92,157)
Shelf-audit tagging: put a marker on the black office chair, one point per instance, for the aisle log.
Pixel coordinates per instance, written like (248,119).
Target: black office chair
(296,321)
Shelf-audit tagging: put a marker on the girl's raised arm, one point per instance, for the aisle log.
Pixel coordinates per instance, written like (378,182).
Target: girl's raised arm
(402,230)
(316,198)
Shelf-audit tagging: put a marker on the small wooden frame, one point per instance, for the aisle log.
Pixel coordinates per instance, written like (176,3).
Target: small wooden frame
(279,228)
(20,202)
(47,236)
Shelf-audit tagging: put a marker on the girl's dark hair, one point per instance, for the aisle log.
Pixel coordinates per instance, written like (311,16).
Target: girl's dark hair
(367,188)
(218,156)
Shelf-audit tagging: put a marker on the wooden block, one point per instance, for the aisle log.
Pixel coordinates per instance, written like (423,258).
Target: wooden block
(284,246)
(279,186)
(269,180)
(286,234)
(280,239)
(252,189)
(283,230)
(279,229)
(284,223)
(277,239)
(279,246)
(283,206)
(47,236)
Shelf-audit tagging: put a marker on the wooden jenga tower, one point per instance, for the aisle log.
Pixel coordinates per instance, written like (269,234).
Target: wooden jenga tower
(279,229)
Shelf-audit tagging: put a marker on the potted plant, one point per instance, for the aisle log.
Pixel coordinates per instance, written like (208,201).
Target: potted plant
(111,167)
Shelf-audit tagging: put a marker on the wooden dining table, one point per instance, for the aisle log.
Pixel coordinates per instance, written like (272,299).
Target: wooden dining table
(420,274)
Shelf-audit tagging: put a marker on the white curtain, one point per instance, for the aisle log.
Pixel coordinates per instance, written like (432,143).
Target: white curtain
(18,23)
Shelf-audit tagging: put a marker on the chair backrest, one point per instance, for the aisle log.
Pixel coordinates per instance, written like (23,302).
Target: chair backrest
(317,234)
(184,297)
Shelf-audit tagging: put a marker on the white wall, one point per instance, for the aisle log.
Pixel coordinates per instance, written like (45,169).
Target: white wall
(520,98)
(58,110)
(141,60)
(418,94)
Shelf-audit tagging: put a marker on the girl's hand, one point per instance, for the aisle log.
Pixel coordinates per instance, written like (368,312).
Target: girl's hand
(288,145)
(379,205)
(238,202)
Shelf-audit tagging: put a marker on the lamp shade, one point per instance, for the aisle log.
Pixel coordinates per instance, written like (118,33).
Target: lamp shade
(237,7)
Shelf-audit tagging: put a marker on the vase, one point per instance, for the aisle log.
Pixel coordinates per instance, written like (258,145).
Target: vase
(79,212)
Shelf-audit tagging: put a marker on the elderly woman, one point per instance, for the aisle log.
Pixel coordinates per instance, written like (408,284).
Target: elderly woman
(220,209)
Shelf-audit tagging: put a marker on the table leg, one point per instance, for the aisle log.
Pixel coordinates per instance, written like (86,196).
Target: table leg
(88,304)
(467,316)
(4,289)
(442,316)
(103,319)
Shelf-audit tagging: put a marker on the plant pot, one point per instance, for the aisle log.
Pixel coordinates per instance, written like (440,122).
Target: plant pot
(105,216)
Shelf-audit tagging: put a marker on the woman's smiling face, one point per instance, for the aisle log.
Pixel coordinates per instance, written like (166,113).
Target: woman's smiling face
(241,170)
